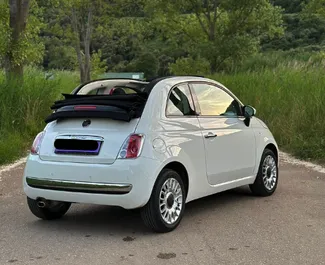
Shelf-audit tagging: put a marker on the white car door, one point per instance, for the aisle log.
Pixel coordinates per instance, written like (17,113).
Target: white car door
(229,143)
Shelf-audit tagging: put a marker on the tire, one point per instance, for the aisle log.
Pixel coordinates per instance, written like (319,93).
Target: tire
(173,199)
(54,210)
(267,177)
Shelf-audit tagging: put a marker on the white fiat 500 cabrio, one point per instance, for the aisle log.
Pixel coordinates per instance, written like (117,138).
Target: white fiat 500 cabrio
(151,145)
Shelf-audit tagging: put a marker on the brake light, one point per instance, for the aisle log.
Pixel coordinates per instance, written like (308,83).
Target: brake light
(37,143)
(132,147)
(85,108)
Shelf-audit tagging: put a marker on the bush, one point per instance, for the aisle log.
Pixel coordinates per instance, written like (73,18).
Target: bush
(145,62)
(190,66)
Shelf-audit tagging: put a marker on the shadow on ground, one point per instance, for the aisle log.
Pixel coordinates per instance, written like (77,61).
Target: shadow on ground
(104,220)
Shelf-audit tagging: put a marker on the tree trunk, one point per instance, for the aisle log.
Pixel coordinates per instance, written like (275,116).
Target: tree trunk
(87,41)
(83,37)
(213,65)
(17,23)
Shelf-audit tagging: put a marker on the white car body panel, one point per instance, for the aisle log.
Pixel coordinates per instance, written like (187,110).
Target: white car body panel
(213,165)
(231,154)
(131,172)
(113,133)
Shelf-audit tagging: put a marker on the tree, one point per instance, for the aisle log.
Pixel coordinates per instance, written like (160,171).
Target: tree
(19,40)
(82,31)
(73,23)
(218,30)
(120,34)
(17,23)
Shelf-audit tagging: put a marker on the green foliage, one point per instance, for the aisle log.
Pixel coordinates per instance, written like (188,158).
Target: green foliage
(30,49)
(23,108)
(60,56)
(296,59)
(283,77)
(290,101)
(290,6)
(315,7)
(4,30)
(304,23)
(218,31)
(301,31)
(278,93)
(146,62)
(190,66)
(98,67)
(123,40)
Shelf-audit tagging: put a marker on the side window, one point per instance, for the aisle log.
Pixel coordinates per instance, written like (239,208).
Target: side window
(180,102)
(214,101)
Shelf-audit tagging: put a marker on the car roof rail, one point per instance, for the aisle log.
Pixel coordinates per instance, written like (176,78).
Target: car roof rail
(154,81)
(171,76)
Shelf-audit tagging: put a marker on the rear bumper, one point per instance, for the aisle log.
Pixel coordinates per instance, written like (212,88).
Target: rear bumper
(79,186)
(126,183)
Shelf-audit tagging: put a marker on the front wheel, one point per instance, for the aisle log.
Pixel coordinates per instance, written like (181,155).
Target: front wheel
(165,209)
(49,211)
(267,177)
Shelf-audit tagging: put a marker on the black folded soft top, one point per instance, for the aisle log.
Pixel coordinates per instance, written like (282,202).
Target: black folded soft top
(117,107)
(124,107)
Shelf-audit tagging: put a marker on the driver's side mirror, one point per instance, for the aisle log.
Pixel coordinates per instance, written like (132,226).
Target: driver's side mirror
(249,112)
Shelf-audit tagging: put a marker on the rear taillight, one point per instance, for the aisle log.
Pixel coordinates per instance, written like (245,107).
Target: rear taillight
(132,147)
(37,144)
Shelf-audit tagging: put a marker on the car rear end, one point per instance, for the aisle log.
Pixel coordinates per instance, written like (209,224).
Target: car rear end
(90,160)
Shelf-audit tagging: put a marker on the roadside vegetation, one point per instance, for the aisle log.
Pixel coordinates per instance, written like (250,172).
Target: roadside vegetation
(290,98)
(270,53)
(23,107)
(291,102)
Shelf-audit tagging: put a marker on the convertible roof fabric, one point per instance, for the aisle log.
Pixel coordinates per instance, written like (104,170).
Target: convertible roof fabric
(123,107)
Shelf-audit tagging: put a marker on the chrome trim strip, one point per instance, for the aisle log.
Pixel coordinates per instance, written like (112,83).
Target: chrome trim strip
(78,186)
(80,137)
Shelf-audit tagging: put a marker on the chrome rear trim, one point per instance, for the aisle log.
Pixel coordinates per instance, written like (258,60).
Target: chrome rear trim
(78,186)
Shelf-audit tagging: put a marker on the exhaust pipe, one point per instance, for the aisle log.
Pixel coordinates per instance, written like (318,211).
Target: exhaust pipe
(41,203)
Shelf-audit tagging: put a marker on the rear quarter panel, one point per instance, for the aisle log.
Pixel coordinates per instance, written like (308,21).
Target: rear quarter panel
(176,139)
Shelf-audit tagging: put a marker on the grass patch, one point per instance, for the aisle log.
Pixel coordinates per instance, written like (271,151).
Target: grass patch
(23,107)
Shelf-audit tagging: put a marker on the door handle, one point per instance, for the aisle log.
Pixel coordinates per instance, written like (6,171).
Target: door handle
(210,135)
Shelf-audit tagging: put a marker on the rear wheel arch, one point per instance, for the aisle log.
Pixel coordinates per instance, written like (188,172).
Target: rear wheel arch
(181,170)
(153,213)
